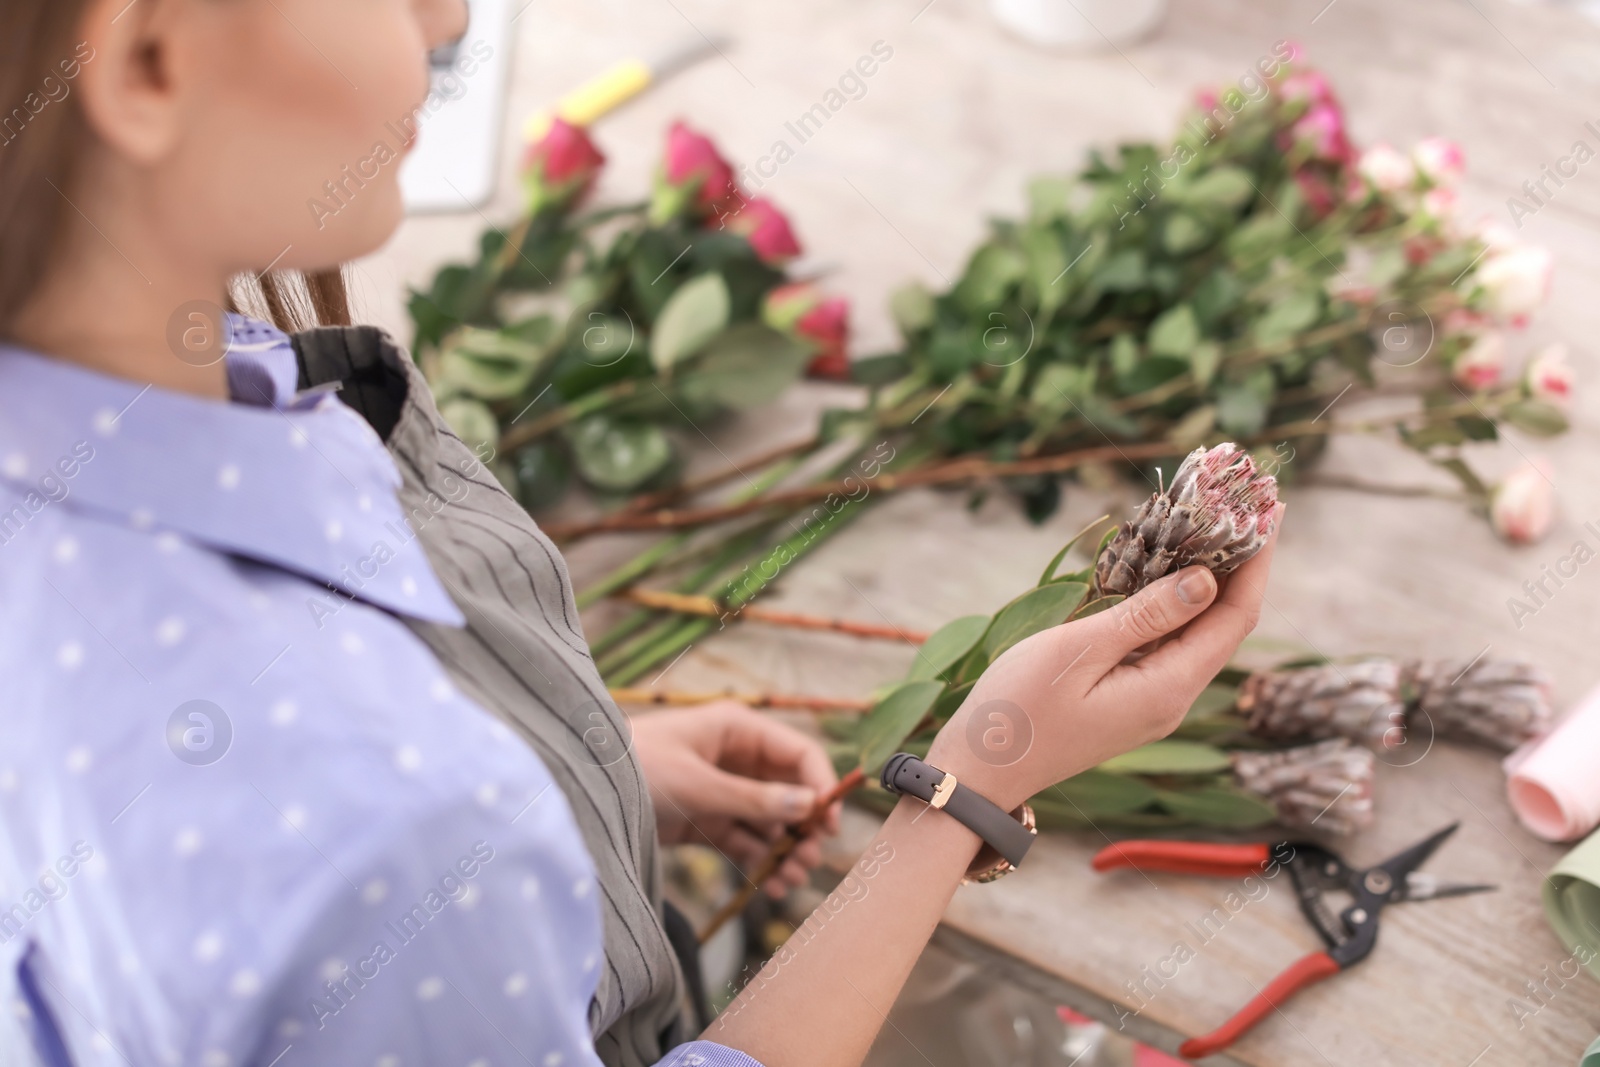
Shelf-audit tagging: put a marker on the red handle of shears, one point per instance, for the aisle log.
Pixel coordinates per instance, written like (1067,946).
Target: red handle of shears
(1184,857)
(1303,972)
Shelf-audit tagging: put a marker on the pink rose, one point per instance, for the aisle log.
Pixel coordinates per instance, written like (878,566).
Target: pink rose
(1441,161)
(1308,87)
(1321,131)
(1317,193)
(1388,170)
(1515,280)
(1549,377)
(767,229)
(1479,367)
(694,178)
(560,168)
(801,309)
(1442,205)
(1523,507)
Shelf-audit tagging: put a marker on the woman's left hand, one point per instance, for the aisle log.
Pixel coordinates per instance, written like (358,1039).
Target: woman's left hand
(730,777)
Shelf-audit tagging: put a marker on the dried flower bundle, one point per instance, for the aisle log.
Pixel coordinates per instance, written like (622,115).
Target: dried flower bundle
(1217,512)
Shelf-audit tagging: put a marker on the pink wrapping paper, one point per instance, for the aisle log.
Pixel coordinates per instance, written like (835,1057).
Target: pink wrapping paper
(1554,782)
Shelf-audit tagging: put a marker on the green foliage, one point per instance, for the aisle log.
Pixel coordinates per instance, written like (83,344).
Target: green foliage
(585,344)
(1193,292)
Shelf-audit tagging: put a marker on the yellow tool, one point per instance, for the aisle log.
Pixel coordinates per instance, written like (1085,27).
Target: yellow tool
(618,84)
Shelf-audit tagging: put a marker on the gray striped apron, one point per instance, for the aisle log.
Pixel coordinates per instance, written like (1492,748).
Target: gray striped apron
(522,656)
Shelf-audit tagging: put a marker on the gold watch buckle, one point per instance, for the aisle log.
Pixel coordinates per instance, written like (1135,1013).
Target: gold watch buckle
(943,791)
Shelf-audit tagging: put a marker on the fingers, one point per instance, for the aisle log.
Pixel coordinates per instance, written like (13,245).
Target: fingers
(1210,642)
(1152,613)
(717,792)
(762,746)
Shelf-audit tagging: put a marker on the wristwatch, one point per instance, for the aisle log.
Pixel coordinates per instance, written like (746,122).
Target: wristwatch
(1006,836)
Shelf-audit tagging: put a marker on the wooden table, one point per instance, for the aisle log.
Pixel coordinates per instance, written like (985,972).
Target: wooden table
(897,185)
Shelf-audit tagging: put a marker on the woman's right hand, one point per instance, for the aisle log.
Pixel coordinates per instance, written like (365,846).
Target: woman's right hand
(1065,700)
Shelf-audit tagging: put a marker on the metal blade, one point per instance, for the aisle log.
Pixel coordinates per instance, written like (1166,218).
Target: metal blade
(1420,885)
(1400,865)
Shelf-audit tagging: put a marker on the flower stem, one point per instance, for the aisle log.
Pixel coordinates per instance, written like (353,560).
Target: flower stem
(776,701)
(708,606)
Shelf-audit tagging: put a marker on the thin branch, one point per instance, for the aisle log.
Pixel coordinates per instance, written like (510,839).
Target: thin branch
(690,604)
(669,698)
(780,850)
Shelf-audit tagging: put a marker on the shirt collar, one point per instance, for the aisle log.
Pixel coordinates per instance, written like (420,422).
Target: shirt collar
(296,479)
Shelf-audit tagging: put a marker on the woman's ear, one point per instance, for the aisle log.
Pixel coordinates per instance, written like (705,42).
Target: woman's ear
(131,85)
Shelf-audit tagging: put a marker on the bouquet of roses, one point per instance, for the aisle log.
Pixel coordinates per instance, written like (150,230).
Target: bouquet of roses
(1256,278)
(581,341)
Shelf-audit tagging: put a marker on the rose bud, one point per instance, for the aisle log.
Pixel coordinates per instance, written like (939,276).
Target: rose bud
(1549,376)
(1523,507)
(693,179)
(1441,161)
(1515,281)
(1479,367)
(767,229)
(1307,87)
(1387,169)
(560,168)
(1317,193)
(1442,205)
(1321,131)
(800,310)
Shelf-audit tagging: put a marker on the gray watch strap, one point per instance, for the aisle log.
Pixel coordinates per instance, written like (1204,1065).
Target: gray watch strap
(905,773)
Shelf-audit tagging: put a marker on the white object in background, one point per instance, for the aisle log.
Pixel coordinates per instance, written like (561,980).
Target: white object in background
(452,165)
(1078,23)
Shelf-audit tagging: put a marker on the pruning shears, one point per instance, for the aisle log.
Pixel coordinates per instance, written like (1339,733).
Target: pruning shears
(1315,871)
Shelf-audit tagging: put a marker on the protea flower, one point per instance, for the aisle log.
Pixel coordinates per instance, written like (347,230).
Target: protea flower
(1355,701)
(1217,512)
(1500,703)
(1326,786)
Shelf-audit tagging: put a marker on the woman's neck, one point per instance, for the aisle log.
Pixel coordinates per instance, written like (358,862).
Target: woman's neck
(124,303)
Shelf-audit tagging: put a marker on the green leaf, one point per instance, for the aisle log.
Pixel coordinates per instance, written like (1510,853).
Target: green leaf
(1195,427)
(1536,417)
(1123,272)
(1213,700)
(691,317)
(1050,571)
(1222,187)
(1288,315)
(1183,233)
(616,456)
(474,423)
(1241,411)
(490,364)
(893,719)
(1099,792)
(993,270)
(542,474)
(745,366)
(1174,333)
(1218,806)
(1033,611)
(912,307)
(1204,359)
(947,646)
(1170,757)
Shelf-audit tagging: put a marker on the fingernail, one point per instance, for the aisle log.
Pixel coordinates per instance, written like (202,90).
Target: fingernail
(1195,586)
(797,803)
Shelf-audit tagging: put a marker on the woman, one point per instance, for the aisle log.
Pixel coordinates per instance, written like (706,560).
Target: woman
(261,801)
